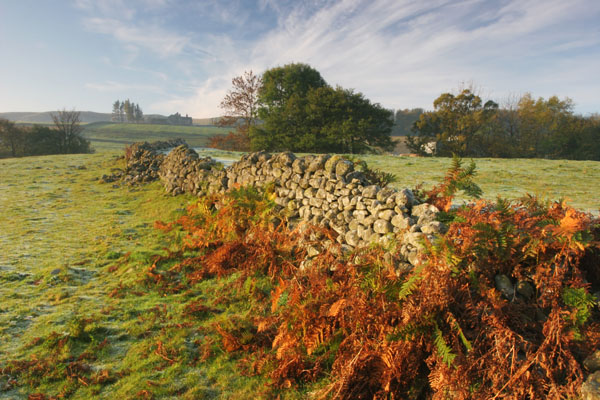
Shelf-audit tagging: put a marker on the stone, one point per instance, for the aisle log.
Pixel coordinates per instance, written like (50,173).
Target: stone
(382,226)
(343,167)
(286,158)
(299,166)
(433,227)
(352,238)
(353,225)
(312,251)
(371,191)
(590,390)
(356,177)
(592,362)
(360,214)
(402,221)
(423,209)
(386,214)
(505,286)
(415,239)
(526,290)
(385,194)
(331,163)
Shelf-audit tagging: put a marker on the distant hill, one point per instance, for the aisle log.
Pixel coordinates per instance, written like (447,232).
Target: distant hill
(46,117)
(85,116)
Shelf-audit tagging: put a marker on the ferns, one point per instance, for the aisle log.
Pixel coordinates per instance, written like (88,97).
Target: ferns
(442,348)
(457,179)
(440,330)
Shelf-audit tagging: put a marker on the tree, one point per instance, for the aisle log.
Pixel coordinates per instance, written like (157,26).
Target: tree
(122,112)
(457,125)
(11,137)
(300,112)
(282,97)
(116,111)
(138,114)
(241,102)
(241,111)
(341,121)
(404,120)
(69,129)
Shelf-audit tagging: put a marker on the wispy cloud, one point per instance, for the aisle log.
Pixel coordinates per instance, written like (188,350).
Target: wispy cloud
(119,87)
(401,53)
(151,38)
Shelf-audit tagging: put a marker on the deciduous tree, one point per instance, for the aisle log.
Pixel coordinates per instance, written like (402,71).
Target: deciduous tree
(69,127)
(300,112)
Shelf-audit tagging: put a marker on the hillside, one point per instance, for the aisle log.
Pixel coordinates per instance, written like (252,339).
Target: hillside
(86,117)
(46,117)
(110,135)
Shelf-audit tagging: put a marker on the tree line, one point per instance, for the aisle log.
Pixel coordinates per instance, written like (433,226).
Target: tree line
(524,127)
(63,138)
(127,111)
(293,108)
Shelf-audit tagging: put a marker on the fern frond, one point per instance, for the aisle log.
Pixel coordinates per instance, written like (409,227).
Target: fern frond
(444,351)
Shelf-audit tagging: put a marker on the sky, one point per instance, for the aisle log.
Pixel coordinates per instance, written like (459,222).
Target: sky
(181,55)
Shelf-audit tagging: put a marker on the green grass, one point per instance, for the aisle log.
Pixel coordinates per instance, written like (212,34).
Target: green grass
(549,180)
(573,181)
(74,257)
(112,136)
(75,253)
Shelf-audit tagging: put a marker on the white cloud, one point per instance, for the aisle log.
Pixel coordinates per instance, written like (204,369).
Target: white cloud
(111,86)
(400,53)
(152,38)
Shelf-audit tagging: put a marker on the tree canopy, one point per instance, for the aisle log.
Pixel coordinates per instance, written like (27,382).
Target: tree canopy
(301,112)
(525,127)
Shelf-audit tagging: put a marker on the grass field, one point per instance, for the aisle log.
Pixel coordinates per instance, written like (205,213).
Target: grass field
(112,136)
(549,180)
(68,245)
(75,253)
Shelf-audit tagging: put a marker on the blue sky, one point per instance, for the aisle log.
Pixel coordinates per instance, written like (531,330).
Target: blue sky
(180,55)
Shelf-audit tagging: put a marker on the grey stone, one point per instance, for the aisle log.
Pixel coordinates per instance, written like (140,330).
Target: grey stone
(526,290)
(590,390)
(370,192)
(352,238)
(592,362)
(384,194)
(299,166)
(382,226)
(312,251)
(402,221)
(505,286)
(360,214)
(433,227)
(353,225)
(343,167)
(331,163)
(386,214)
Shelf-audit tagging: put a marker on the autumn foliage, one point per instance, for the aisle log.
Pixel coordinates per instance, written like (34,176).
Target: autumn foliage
(370,330)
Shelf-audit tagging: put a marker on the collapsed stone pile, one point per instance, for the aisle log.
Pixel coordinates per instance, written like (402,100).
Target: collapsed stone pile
(143,162)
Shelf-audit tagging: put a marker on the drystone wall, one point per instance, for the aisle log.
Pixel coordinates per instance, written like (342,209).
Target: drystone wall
(323,190)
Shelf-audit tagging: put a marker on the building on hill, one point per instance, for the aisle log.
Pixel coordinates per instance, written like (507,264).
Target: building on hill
(178,119)
(173,119)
